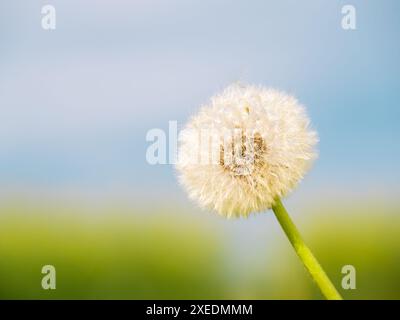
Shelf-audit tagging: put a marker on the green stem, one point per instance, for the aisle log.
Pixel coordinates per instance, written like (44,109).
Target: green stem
(304,253)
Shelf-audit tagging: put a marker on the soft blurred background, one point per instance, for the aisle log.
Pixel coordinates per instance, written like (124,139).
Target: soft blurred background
(77,192)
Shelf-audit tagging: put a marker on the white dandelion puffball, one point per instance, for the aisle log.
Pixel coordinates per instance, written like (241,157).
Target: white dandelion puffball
(247,147)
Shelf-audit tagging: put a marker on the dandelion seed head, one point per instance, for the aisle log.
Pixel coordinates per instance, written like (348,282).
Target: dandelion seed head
(246,147)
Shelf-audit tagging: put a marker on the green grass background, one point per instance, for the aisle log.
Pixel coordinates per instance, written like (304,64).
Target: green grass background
(167,253)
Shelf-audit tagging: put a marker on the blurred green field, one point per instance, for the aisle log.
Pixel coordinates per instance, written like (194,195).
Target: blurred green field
(125,253)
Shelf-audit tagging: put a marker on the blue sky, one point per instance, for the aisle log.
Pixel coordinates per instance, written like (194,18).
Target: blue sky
(76,102)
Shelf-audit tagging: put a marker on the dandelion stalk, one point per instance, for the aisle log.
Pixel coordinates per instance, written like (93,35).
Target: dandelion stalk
(304,253)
